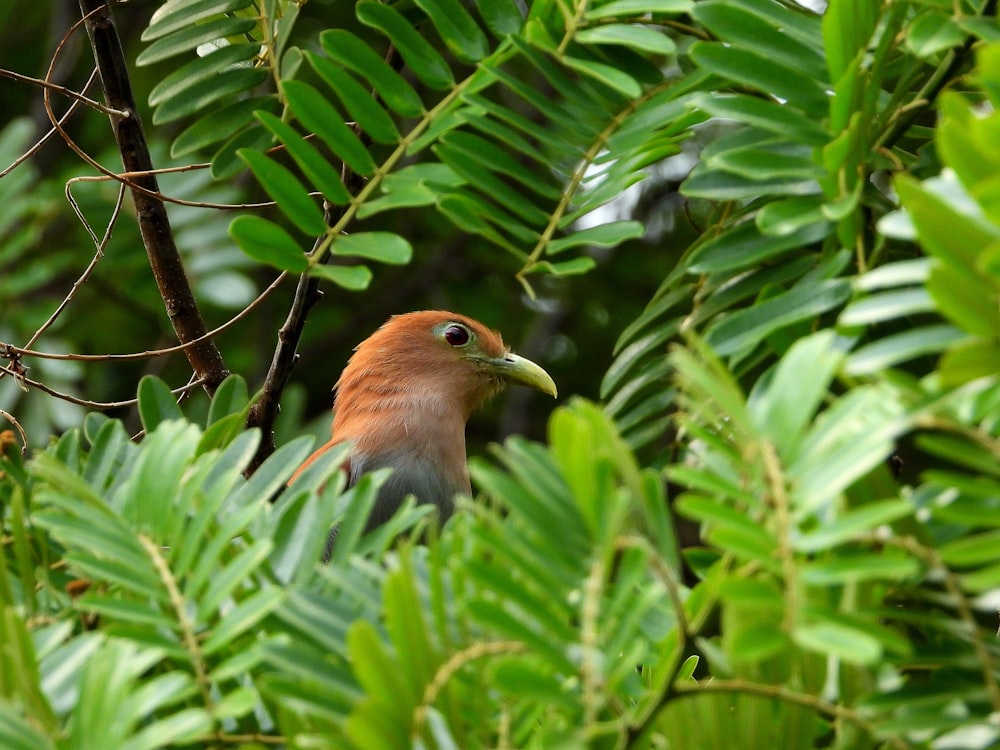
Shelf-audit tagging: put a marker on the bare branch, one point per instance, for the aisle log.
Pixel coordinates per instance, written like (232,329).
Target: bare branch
(36,147)
(150,353)
(79,97)
(20,431)
(97,405)
(154,225)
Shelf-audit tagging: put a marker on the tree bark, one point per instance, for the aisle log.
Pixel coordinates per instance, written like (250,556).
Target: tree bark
(151,213)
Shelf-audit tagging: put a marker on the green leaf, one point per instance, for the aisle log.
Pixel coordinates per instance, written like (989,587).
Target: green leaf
(225,162)
(625,8)
(177,15)
(285,189)
(496,159)
(756,643)
(182,728)
(933,32)
(468,214)
(196,72)
(765,114)
(355,278)
(113,608)
(606,74)
(502,17)
(965,298)
(850,644)
(220,124)
(764,75)
(358,102)
(309,160)
(847,27)
(886,306)
(242,617)
(354,54)
(456,28)
(266,242)
(748,327)
(318,115)
(790,215)
(187,39)
(969,360)
(408,196)
(971,550)
(766,161)
(950,224)
(604,235)
(384,247)
(764,596)
(194,98)
(110,446)
(230,398)
(713,512)
(902,347)
(855,568)
(744,246)
(225,580)
(800,382)
(573,267)
(637,37)
(419,55)
(236,704)
(843,444)
(156,403)
(717,185)
(899,273)
(527,677)
(743,25)
(983,580)
(863,520)
(18,734)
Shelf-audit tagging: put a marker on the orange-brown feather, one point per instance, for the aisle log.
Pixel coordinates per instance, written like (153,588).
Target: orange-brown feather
(403,401)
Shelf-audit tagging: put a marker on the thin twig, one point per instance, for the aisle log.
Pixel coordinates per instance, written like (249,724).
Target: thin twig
(97,405)
(98,254)
(448,670)
(984,659)
(20,431)
(129,178)
(150,353)
(779,692)
(37,146)
(79,97)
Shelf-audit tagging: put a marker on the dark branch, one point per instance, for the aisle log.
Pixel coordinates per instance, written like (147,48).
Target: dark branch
(151,213)
(265,411)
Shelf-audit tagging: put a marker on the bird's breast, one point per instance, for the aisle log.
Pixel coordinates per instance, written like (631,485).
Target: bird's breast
(425,477)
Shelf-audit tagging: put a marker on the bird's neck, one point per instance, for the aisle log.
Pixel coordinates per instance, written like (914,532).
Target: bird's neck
(420,424)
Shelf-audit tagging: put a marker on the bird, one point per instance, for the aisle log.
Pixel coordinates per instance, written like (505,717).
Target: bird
(405,396)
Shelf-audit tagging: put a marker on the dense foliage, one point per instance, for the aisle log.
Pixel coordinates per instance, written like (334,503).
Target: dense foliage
(813,385)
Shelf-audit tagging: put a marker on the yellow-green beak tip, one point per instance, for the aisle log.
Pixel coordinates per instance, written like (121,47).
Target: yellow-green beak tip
(517,369)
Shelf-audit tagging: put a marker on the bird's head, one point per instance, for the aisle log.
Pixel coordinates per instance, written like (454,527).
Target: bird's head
(436,359)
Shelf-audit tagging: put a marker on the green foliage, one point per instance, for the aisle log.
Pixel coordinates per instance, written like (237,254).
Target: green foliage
(516,166)
(829,320)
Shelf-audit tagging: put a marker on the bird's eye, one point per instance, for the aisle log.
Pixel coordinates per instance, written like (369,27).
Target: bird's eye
(456,335)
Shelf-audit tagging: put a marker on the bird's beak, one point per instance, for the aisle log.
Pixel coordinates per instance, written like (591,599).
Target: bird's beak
(517,369)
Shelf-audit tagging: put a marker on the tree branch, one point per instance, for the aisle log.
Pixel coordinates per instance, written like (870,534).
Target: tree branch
(151,213)
(264,412)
